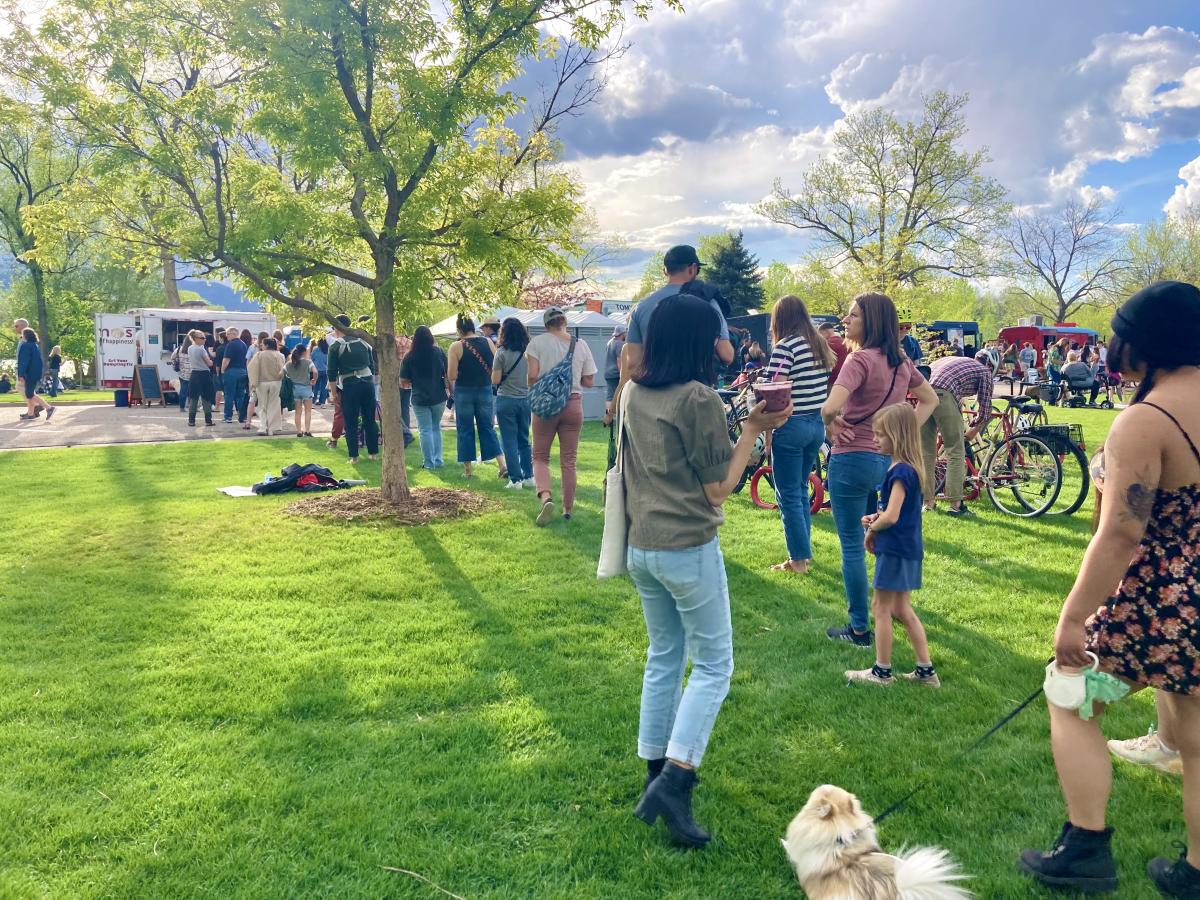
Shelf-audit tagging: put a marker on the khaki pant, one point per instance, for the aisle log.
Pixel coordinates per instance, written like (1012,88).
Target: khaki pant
(947,418)
(269,411)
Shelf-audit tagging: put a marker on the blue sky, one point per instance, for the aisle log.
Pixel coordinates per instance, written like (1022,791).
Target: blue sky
(1072,99)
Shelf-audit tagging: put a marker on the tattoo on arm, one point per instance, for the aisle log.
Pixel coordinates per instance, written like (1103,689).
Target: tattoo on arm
(1139,501)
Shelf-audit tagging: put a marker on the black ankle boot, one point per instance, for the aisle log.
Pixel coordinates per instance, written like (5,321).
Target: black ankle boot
(670,796)
(1079,859)
(653,768)
(1179,879)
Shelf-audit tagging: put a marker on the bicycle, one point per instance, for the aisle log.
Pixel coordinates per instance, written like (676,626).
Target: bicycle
(1022,475)
(1026,416)
(758,472)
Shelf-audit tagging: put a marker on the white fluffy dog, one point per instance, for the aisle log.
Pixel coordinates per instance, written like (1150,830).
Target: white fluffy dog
(832,845)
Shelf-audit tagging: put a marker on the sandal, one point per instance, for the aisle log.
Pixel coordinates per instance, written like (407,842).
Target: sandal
(786,566)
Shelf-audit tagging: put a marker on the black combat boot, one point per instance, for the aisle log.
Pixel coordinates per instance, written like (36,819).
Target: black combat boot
(653,768)
(1079,859)
(670,796)
(1179,879)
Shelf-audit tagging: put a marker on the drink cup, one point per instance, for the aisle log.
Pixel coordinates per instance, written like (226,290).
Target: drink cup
(775,393)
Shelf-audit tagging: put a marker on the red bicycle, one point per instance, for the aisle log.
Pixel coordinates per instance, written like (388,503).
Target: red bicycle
(758,473)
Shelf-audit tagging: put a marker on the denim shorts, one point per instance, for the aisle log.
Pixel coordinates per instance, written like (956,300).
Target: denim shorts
(301,391)
(896,573)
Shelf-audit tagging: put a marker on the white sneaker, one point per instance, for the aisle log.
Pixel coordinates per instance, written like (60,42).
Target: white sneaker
(514,485)
(1148,751)
(546,514)
(528,482)
(869,676)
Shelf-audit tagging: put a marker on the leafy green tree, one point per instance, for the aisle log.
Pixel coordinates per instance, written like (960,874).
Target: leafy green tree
(72,300)
(899,200)
(734,270)
(1166,250)
(780,281)
(652,277)
(38,162)
(299,145)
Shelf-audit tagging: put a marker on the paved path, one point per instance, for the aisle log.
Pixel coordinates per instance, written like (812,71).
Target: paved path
(83,425)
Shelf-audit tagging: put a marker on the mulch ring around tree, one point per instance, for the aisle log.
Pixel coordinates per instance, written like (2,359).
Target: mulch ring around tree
(368,505)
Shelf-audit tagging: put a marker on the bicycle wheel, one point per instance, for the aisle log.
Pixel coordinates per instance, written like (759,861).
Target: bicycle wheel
(816,493)
(1023,476)
(1075,476)
(762,488)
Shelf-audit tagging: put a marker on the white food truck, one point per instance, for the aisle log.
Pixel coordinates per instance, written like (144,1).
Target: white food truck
(148,337)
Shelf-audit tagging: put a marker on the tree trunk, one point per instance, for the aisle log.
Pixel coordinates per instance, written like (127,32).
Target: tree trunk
(170,286)
(43,315)
(394,482)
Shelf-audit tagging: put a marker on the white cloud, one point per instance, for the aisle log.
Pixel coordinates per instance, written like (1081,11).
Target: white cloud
(1187,195)
(675,193)
(1053,94)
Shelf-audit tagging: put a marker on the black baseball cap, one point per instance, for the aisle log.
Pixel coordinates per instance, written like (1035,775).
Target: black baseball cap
(680,257)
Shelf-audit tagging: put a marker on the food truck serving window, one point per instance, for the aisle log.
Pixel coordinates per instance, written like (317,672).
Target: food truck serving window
(175,330)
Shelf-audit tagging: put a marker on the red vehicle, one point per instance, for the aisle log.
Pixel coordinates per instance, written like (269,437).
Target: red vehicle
(1042,336)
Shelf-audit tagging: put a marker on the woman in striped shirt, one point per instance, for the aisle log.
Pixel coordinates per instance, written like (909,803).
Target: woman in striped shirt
(801,356)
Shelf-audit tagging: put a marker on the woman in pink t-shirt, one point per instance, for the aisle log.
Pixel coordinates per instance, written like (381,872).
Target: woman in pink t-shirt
(877,374)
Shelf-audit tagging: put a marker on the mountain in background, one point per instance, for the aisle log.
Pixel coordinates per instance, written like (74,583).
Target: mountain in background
(216,293)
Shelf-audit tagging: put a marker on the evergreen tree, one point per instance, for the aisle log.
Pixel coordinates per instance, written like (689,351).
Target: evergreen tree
(733,270)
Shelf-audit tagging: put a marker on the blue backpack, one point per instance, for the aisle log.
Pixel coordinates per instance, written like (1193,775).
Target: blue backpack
(550,393)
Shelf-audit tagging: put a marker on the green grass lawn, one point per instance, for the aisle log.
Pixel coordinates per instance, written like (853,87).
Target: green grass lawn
(200,696)
(73,396)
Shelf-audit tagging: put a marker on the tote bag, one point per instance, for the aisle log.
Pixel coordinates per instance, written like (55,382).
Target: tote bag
(614,543)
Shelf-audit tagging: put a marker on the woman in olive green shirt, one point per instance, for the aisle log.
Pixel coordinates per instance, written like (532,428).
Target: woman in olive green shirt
(679,468)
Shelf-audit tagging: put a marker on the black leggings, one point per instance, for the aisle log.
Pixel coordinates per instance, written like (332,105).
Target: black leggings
(358,400)
(200,389)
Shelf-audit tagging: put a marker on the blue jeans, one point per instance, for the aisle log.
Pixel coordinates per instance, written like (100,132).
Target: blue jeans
(853,478)
(237,393)
(183,393)
(429,422)
(513,417)
(475,408)
(321,388)
(685,599)
(793,453)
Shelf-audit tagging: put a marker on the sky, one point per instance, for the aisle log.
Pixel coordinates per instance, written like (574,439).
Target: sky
(1072,99)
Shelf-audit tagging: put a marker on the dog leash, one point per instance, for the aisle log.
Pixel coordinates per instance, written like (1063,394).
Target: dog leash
(899,804)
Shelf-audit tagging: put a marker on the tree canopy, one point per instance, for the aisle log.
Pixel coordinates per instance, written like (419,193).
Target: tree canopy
(733,270)
(1066,259)
(298,145)
(899,200)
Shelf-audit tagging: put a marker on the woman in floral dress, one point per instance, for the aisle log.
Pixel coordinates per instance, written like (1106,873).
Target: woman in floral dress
(1136,601)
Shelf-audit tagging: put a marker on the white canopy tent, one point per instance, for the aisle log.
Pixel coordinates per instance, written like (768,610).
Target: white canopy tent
(592,328)
(447,328)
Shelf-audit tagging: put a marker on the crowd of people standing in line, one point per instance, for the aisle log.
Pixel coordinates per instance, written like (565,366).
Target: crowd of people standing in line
(1136,591)
(488,378)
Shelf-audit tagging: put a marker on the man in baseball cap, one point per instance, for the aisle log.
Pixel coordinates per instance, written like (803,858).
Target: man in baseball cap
(681,265)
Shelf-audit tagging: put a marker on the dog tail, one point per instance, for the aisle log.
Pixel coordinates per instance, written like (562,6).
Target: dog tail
(928,873)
